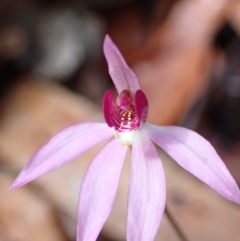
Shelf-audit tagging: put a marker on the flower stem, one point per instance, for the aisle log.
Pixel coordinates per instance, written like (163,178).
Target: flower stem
(178,230)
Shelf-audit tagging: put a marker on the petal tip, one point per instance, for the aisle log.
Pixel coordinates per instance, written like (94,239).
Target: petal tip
(107,43)
(107,38)
(13,186)
(16,184)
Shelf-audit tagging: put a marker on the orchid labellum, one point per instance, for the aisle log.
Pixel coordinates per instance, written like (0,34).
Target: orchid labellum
(126,124)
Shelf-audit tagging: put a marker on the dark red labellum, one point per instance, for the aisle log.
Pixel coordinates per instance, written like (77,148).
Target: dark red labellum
(128,112)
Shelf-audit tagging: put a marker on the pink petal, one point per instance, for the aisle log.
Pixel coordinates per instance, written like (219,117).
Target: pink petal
(123,77)
(196,155)
(99,190)
(63,147)
(141,105)
(110,110)
(147,191)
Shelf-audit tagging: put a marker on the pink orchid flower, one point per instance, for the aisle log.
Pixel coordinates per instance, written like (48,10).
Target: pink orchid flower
(126,120)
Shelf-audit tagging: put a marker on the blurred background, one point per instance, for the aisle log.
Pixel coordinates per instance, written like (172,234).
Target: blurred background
(186,54)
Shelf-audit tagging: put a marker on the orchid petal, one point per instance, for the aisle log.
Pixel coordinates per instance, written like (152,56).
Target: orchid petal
(141,104)
(196,155)
(110,110)
(147,191)
(123,77)
(99,189)
(63,147)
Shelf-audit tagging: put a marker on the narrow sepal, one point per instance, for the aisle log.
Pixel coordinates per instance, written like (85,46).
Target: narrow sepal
(123,77)
(99,189)
(61,148)
(147,191)
(195,154)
